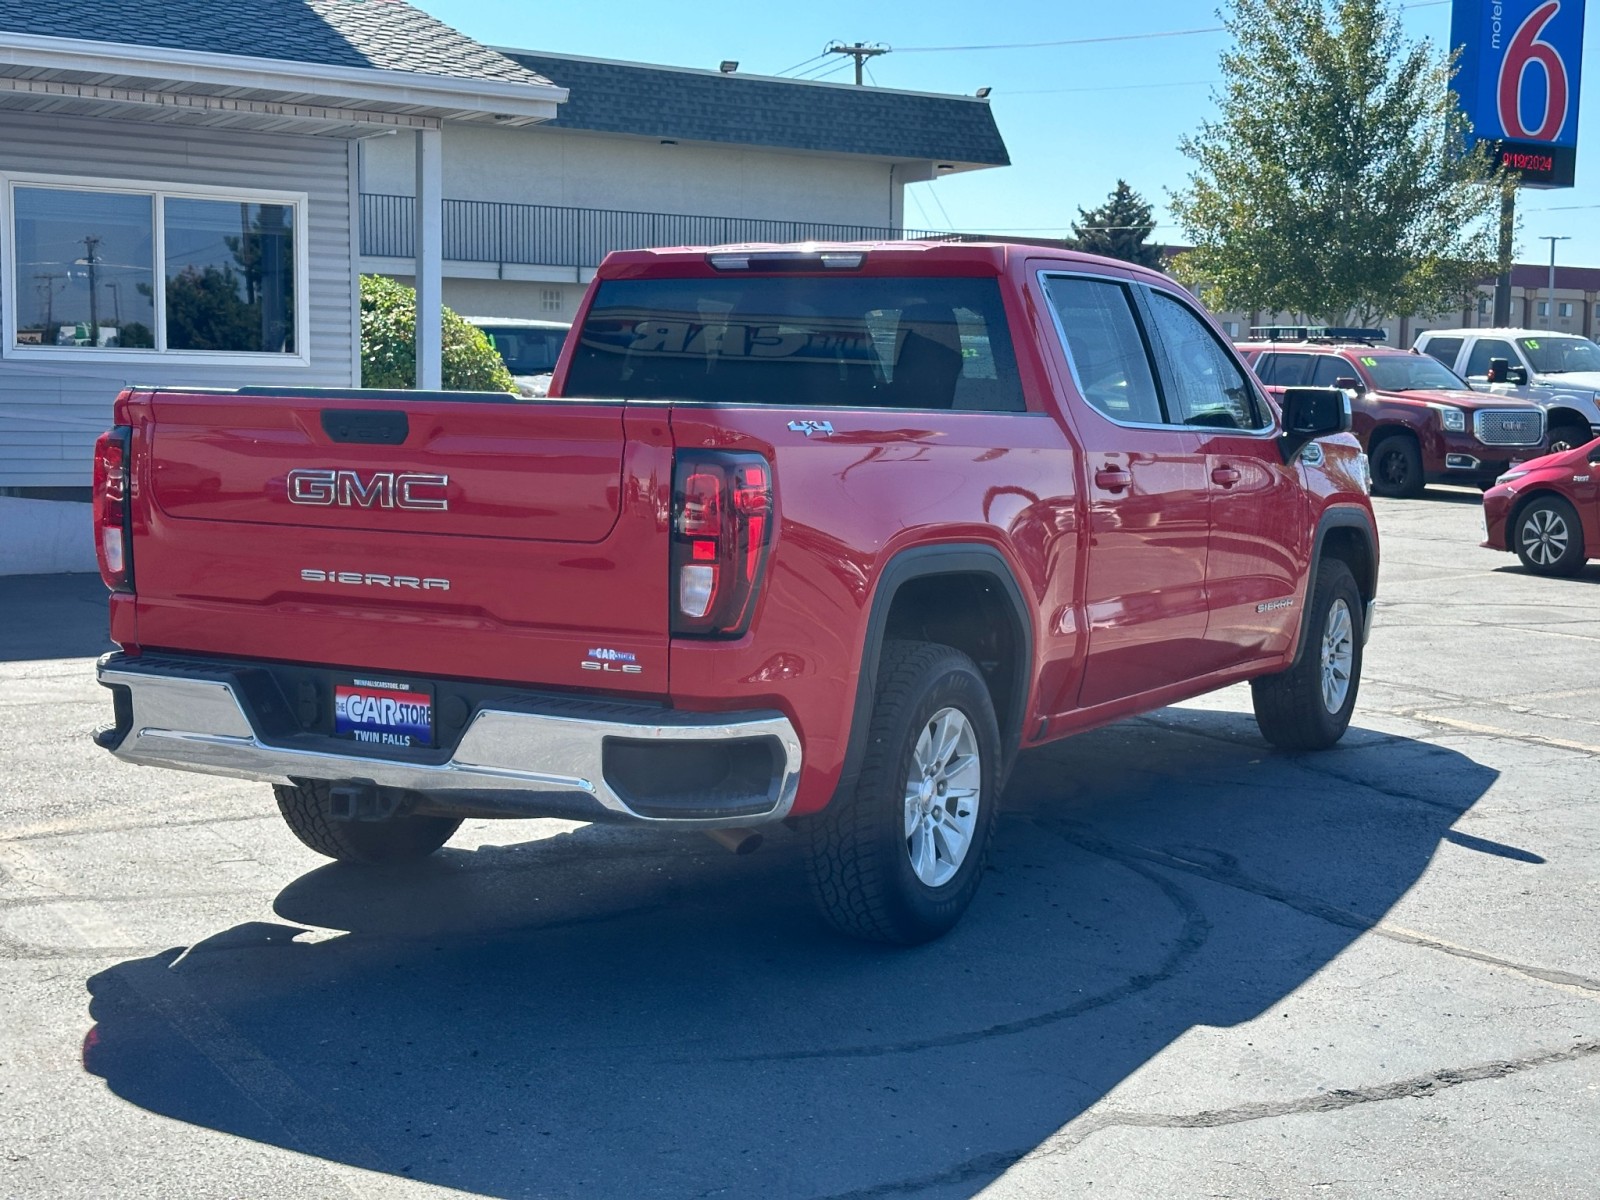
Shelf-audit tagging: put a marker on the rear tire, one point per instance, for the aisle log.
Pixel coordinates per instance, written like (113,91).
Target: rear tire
(1308,707)
(1548,537)
(393,840)
(1397,468)
(900,857)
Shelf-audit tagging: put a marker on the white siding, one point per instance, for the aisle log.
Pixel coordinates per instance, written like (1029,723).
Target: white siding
(582,170)
(50,413)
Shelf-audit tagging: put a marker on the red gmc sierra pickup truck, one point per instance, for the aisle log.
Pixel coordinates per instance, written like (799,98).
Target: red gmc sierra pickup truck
(820,535)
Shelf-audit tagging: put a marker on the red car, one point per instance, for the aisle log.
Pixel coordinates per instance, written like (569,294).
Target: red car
(1418,422)
(1548,511)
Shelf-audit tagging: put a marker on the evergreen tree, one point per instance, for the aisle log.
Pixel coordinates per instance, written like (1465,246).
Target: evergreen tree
(1336,182)
(1118,228)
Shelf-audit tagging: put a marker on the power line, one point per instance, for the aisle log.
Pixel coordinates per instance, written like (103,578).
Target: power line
(1111,87)
(807,63)
(823,72)
(1118,37)
(826,67)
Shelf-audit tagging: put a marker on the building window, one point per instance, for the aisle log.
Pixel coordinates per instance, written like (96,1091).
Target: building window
(1544,308)
(109,270)
(1564,308)
(1483,306)
(550,300)
(1231,328)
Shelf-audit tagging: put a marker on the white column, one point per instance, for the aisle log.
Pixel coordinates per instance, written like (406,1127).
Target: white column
(429,249)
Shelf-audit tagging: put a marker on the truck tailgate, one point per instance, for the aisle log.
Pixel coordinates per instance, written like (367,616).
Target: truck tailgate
(430,535)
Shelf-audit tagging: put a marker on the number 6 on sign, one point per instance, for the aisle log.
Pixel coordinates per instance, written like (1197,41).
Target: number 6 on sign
(1525,50)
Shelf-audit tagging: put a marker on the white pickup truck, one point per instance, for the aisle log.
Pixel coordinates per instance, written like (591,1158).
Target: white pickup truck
(1559,371)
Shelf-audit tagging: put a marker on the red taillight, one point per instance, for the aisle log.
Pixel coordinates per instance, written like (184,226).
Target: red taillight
(112,493)
(721,525)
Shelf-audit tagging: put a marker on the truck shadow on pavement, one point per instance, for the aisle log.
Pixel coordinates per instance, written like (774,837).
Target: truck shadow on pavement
(52,616)
(609,1013)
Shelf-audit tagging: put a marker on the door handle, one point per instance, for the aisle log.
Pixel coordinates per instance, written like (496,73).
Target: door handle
(1113,479)
(1226,476)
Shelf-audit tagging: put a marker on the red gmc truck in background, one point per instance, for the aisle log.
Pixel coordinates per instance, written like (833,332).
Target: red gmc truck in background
(818,535)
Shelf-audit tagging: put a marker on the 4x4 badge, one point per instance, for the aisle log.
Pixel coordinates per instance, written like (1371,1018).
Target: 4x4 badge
(825,428)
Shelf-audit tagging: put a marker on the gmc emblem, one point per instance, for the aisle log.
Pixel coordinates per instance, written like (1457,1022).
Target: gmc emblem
(381,489)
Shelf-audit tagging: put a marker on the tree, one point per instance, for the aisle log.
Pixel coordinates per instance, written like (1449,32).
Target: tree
(206,312)
(1118,228)
(1337,183)
(389,343)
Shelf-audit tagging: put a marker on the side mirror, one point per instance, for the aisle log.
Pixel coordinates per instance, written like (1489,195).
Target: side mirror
(1310,413)
(1348,383)
(1499,369)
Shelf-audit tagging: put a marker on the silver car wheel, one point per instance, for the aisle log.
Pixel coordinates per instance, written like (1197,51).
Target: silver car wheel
(942,796)
(1545,536)
(1338,656)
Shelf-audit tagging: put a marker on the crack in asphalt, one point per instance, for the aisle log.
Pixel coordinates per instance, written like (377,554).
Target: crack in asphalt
(1415,1087)
(1228,874)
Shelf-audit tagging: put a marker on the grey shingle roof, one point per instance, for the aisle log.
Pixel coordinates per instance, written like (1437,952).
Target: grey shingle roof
(386,35)
(705,106)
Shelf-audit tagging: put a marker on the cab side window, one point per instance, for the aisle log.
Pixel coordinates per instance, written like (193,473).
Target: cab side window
(1484,350)
(1282,370)
(1105,348)
(1204,385)
(1329,369)
(1446,350)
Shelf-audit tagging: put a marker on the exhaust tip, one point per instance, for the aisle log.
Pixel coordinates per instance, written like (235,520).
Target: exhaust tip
(738,841)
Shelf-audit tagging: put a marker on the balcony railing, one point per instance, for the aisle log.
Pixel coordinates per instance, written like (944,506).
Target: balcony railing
(491,232)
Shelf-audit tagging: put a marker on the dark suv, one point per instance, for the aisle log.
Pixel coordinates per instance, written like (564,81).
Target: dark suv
(1417,420)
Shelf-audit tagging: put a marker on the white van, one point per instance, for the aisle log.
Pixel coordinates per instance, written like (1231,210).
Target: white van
(1560,371)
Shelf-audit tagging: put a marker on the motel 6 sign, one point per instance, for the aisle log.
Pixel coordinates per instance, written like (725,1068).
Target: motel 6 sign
(1518,82)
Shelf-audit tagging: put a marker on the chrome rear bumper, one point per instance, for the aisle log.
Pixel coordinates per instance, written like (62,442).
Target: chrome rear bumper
(548,756)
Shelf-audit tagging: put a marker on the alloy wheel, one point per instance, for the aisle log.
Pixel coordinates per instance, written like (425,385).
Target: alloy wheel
(1545,536)
(942,795)
(1338,656)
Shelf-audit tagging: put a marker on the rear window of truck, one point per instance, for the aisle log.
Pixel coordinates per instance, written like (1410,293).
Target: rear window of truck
(800,341)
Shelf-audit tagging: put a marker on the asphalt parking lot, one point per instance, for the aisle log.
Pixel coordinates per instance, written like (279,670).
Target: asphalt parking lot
(1199,967)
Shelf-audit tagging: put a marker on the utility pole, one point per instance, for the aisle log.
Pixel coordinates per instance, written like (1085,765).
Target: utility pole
(860,52)
(47,290)
(1508,228)
(1550,293)
(90,261)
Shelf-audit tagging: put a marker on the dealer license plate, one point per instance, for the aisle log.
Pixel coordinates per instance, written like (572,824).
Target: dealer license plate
(381,712)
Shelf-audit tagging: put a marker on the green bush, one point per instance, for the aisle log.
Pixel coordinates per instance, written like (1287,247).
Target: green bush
(389,344)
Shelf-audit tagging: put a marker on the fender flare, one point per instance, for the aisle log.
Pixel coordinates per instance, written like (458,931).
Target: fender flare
(1341,516)
(951,558)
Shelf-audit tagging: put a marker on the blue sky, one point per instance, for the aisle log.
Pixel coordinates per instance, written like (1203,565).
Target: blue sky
(1075,117)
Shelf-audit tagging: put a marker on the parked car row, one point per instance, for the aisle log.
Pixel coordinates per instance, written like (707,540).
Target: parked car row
(1417,420)
(1512,411)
